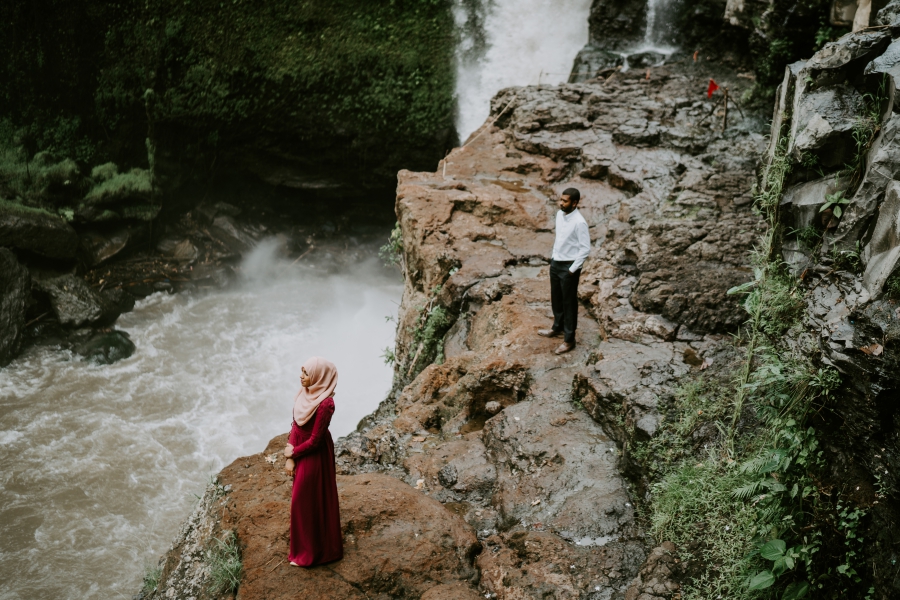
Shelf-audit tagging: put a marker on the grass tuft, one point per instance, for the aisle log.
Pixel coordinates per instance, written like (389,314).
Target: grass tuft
(223,558)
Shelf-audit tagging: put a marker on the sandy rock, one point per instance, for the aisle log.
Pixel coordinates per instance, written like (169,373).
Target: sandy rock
(14,291)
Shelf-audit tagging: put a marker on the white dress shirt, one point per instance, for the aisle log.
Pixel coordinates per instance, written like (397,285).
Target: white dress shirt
(573,240)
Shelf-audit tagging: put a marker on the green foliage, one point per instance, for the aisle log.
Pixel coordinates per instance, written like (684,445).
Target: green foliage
(695,504)
(378,76)
(151,578)
(866,128)
(427,334)
(892,286)
(847,260)
(826,34)
(115,186)
(392,252)
(389,356)
(223,557)
(751,507)
(836,202)
(773,300)
(31,178)
(810,236)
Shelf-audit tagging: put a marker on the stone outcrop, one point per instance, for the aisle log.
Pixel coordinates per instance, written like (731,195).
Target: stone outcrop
(36,231)
(517,452)
(14,292)
(849,281)
(398,543)
(76,304)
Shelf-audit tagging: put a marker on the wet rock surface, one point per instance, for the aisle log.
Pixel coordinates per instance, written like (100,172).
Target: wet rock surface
(106,348)
(487,431)
(36,231)
(14,292)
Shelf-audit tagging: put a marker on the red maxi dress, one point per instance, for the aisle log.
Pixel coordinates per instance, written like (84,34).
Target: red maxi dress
(315,514)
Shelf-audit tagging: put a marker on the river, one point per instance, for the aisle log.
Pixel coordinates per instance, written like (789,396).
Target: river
(99,465)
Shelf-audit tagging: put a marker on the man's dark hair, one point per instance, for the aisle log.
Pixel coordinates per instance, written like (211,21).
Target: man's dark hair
(572,193)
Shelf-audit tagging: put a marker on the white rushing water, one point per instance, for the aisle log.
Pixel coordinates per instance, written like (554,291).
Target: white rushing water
(99,464)
(657,30)
(513,42)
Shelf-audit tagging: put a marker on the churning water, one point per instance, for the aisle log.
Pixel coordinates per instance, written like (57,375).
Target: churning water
(512,42)
(99,464)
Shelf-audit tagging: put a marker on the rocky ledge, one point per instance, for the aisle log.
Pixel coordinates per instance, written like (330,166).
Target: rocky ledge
(495,468)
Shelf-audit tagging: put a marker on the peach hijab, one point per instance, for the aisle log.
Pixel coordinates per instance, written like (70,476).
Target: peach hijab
(323,378)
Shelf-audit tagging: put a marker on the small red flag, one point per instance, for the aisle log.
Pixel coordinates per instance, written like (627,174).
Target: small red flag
(713,86)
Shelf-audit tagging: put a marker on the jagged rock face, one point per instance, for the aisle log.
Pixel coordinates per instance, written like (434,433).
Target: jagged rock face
(14,291)
(849,315)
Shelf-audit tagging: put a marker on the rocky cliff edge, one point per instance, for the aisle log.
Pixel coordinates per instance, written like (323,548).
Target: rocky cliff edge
(497,469)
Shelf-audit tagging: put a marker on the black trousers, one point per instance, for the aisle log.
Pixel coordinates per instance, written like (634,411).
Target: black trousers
(564,298)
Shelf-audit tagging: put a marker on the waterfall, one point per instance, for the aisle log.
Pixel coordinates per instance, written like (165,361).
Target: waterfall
(505,43)
(656,31)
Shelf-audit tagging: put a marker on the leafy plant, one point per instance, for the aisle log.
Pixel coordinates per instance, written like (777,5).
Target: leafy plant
(892,286)
(836,202)
(389,356)
(392,252)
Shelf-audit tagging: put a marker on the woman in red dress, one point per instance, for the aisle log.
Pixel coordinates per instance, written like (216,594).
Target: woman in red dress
(315,514)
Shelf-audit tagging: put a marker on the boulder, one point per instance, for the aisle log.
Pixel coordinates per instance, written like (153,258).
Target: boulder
(14,291)
(75,303)
(657,579)
(100,245)
(883,166)
(857,46)
(823,122)
(889,15)
(796,256)
(106,348)
(883,251)
(590,61)
(37,231)
(642,60)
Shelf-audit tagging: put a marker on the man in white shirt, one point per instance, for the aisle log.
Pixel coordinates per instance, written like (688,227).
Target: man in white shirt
(571,248)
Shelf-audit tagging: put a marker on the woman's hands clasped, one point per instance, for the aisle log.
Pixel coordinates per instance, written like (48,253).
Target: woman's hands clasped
(289,464)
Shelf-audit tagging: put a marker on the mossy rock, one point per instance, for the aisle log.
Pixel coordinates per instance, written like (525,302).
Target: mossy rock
(120,187)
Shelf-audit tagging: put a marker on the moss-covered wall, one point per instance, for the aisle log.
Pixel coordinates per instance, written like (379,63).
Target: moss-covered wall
(349,88)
